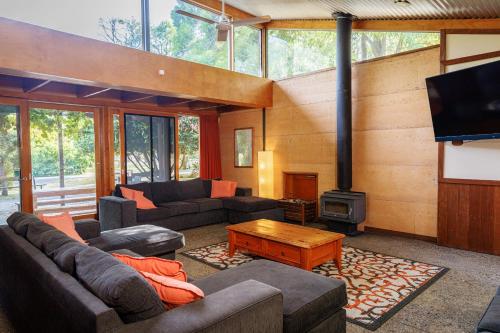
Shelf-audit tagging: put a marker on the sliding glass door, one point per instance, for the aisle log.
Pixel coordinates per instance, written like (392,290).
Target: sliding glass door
(10,170)
(149,148)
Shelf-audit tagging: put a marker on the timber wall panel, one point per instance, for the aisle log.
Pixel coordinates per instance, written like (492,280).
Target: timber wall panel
(394,153)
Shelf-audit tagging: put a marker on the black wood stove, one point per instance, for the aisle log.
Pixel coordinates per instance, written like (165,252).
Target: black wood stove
(343,209)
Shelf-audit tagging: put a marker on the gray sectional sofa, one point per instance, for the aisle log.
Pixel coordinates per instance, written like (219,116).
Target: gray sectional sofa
(183,205)
(50,283)
(490,322)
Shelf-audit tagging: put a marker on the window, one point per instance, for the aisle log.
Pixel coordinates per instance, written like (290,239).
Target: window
(369,44)
(116,21)
(183,37)
(293,52)
(63,161)
(117,165)
(189,147)
(247,50)
(150,148)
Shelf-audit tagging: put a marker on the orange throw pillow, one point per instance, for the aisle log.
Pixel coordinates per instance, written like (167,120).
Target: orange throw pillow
(223,188)
(153,265)
(138,197)
(173,292)
(63,222)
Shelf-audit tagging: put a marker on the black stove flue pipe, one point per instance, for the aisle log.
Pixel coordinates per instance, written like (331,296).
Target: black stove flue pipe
(344,102)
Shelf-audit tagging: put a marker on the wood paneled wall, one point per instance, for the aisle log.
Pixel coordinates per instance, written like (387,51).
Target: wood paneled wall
(394,153)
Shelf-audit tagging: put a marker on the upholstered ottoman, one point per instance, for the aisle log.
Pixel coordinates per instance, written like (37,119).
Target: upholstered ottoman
(146,240)
(311,302)
(242,209)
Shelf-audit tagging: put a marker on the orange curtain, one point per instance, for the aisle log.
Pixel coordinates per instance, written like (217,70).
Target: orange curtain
(210,161)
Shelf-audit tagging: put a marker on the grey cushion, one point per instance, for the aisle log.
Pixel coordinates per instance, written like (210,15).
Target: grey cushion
(146,240)
(181,207)
(165,191)
(64,256)
(249,204)
(53,240)
(308,298)
(88,228)
(490,322)
(118,285)
(20,222)
(191,189)
(155,214)
(206,204)
(36,233)
(143,187)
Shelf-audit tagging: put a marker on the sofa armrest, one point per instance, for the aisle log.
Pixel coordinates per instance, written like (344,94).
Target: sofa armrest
(88,228)
(245,307)
(116,213)
(243,191)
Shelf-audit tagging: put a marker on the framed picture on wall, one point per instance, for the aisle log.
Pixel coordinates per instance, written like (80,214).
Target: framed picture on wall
(243,148)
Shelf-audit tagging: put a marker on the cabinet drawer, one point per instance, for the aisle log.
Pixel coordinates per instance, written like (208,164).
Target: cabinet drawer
(283,251)
(248,242)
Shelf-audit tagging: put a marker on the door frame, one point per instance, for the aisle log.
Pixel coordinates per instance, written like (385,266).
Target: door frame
(98,154)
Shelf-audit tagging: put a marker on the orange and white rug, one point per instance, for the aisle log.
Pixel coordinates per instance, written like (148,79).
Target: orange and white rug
(378,285)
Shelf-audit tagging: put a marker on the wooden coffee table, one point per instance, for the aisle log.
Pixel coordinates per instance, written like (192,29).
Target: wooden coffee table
(290,244)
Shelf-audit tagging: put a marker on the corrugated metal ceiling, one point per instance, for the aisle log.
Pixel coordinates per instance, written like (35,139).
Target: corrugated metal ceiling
(371,9)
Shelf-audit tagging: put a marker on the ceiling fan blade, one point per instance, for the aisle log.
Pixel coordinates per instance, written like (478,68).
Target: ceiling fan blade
(196,17)
(252,21)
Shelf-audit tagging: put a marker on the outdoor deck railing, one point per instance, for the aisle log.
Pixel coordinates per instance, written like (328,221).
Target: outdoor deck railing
(70,199)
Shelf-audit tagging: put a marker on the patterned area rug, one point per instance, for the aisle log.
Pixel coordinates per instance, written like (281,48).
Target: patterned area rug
(378,285)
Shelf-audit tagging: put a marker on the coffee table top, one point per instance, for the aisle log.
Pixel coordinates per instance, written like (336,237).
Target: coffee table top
(286,233)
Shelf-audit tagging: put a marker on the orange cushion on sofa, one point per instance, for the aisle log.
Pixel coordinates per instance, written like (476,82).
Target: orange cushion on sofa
(223,188)
(138,197)
(62,222)
(158,266)
(173,292)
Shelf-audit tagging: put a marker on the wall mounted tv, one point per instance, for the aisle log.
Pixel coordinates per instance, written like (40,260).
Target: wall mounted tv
(465,104)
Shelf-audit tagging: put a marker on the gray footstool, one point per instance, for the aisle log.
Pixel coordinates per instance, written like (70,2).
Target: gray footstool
(311,302)
(242,209)
(146,240)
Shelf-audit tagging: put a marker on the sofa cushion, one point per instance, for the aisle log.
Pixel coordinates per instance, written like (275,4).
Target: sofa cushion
(165,191)
(490,322)
(249,204)
(154,214)
(176,208)
(53,240)
(64,256)
(206,204)
(308,298)
(36,233)
(20,222)
(63,222)
(143,187)
(118,285)
(191,189)
(146,240)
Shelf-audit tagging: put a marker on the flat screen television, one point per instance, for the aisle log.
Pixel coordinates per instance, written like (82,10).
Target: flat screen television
(465,104)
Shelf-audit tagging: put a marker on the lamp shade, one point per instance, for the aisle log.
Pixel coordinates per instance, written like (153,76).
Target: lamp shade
(266,174)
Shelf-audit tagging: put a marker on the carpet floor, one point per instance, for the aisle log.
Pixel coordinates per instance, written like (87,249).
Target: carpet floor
(454,303)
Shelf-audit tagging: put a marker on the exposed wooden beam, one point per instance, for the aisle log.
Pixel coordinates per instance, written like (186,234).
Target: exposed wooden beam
(132,97)
(31,85)
(216,6)
(231,108)
(170,101)
(87,91)
(388,25)
(83,61)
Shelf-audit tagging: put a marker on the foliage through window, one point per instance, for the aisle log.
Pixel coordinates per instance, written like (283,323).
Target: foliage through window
(189,147)
(247,50)
(116,21)
(293,52)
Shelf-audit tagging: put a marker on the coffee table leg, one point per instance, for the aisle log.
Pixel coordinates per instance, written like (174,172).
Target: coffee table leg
(231,237)
(305,259)
(338,255)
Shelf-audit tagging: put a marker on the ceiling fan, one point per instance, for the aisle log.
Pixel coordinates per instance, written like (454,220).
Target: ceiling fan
(224,23)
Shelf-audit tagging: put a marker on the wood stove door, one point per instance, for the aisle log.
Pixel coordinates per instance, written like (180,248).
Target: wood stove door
(336,208)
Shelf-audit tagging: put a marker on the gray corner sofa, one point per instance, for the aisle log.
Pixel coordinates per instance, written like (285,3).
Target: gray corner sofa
(183,205)
(39,294)
(490,322)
